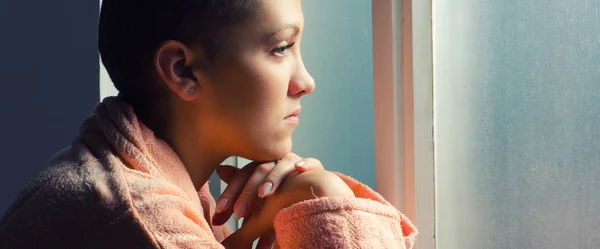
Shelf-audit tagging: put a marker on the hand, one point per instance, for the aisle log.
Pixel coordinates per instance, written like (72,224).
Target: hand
(255,180)
(297,187)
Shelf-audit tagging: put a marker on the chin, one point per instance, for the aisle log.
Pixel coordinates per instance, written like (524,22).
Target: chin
(277,153)
(273,151)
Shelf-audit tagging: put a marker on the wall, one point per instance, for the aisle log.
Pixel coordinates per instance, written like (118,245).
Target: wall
(49,69)
(336,123)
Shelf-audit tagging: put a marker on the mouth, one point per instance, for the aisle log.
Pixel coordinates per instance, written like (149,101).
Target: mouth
(293,117)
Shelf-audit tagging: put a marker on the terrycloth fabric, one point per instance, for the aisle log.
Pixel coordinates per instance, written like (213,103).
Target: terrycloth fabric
(118,186)
(365,222)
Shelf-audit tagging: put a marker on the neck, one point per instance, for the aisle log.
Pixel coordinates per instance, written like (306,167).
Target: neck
(197,152)
(200,158)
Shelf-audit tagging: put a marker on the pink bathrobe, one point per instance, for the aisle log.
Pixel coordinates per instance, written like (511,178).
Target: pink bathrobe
(118,186)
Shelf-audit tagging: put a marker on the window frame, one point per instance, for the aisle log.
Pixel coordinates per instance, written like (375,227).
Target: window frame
(403,102)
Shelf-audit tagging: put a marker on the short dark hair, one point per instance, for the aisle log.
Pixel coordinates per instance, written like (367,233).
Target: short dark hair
(130,32)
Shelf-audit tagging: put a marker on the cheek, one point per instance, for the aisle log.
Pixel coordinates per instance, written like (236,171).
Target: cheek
(254,100)
(263,107)
(261,91)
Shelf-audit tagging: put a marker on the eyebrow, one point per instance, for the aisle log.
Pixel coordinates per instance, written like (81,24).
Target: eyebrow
(287,26)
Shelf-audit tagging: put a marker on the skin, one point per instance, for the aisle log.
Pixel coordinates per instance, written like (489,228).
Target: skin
(239,105)
(244,188)
(240,102)
(296,188)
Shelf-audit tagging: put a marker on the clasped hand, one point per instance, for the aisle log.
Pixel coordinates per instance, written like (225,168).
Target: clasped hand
(258,191)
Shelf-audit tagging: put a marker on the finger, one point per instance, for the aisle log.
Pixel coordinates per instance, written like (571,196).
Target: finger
(224,207)
(238,239)
(255,209)
(221,218)
(307,164)
(246,219)
(227,172)
(266,241)
(284,167)
(248,195)
(259,222)
(251,229)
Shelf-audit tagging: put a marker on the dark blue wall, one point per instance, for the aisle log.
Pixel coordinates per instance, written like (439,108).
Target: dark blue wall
(49,83)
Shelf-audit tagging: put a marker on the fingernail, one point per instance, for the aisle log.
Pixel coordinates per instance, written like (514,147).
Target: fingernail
(240,211)
(221,205)
(265,189)
(302,163)
(215,218)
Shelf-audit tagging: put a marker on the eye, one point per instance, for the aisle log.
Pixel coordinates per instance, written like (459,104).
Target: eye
(280,51)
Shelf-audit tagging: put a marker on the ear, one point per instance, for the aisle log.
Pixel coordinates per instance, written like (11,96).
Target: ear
(173,62)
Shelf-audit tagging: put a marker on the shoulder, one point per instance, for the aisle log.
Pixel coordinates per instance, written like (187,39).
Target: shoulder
(75,199)
(72,177)
(317,183)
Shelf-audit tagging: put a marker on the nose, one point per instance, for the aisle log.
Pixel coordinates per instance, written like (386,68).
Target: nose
(301,83)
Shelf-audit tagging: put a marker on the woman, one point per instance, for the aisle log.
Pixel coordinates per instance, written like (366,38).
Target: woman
(199,81)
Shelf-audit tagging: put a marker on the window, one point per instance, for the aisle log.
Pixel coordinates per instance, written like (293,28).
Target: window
(508,91)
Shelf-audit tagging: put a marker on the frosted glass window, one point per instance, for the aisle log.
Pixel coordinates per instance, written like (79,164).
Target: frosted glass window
(517,123)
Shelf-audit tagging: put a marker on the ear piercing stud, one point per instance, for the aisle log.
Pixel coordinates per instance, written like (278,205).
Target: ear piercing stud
(191,91)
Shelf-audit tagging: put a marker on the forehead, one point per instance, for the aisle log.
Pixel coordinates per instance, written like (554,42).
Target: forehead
(273,16)
(274,19)
(281,10)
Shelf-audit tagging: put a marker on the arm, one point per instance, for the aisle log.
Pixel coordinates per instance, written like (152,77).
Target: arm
(319,209)
(338,220)
(296,188)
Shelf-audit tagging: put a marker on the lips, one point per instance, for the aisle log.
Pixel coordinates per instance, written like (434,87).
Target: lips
(294,114)
(293,117)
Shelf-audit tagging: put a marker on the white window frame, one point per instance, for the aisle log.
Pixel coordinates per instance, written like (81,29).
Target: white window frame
(403,95)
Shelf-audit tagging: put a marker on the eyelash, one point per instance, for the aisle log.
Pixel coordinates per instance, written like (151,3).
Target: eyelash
(280,51)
